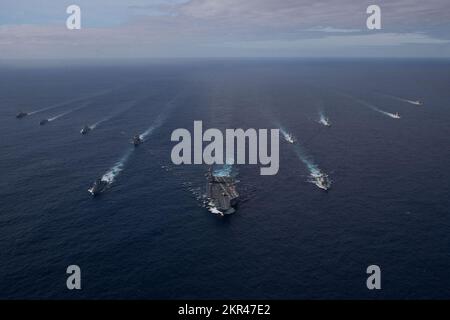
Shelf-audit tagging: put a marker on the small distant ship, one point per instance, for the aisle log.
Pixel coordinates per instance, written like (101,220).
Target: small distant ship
(417,103)
(98,187)
(21,115)
(325,121)
(396,116)
(289,138)
(322,181)
(221,191)
(44,122)
(85,130)
(137,140)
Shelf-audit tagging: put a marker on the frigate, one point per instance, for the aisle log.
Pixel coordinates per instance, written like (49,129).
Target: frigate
(85,130)
(98,187)
(137,140)
(21,115)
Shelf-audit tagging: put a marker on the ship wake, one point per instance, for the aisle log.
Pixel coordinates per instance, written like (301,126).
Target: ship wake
(111,175)
(374,108)
(114,171)
(95,125)
(84,105)
(312,167)
(64,103)
(288,137)
(416,103)
(316,176)
(159,121)
(323,119)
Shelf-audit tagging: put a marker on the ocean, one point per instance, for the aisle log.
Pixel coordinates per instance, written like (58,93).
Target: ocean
(149,236)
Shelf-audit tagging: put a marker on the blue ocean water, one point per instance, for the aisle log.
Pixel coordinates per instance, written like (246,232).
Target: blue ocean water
(149,237)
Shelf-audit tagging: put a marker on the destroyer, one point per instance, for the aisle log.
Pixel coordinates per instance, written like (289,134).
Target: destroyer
(325,121)
(137,140)
(98,187)
(289,138)
(21,115)
(322,181)
(222,194)
(85,130)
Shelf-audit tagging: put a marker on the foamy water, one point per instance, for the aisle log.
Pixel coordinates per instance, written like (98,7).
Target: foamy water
(112,173)
(374,108)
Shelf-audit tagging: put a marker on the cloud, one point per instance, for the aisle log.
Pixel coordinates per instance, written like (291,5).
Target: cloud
(338,13)
(149,28)
(332,30)
(366,40)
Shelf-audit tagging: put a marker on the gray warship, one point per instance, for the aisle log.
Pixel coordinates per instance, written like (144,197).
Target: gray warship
(222,194)
(85,130)
(98,187)
(21,115)
(137,140)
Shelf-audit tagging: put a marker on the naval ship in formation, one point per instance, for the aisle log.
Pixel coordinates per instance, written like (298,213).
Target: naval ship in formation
(21,115)
(137,140)
(85,130)
(98,187)
(221,192)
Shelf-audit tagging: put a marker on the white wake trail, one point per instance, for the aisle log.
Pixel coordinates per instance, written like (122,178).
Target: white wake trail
(95,125)
(286,135)
(84,105)
(323,119)
(416,103)
(118,167)
(61,104)
(315,173)
(159,121)
(128,107)
(312,167)
(374,108)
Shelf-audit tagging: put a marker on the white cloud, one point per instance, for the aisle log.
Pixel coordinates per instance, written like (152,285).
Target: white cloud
(210,27)
(332,30)
(367,40)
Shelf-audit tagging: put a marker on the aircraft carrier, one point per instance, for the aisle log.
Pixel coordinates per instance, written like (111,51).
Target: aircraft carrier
(221,191)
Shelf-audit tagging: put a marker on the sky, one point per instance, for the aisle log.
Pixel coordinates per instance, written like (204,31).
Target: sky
(129,29)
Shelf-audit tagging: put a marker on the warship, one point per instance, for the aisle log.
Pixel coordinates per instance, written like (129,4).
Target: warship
(325,121)
(289,137)
(98,187)
(222,194)
(21,115)
(85,130)
(137,140)
(322,181)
